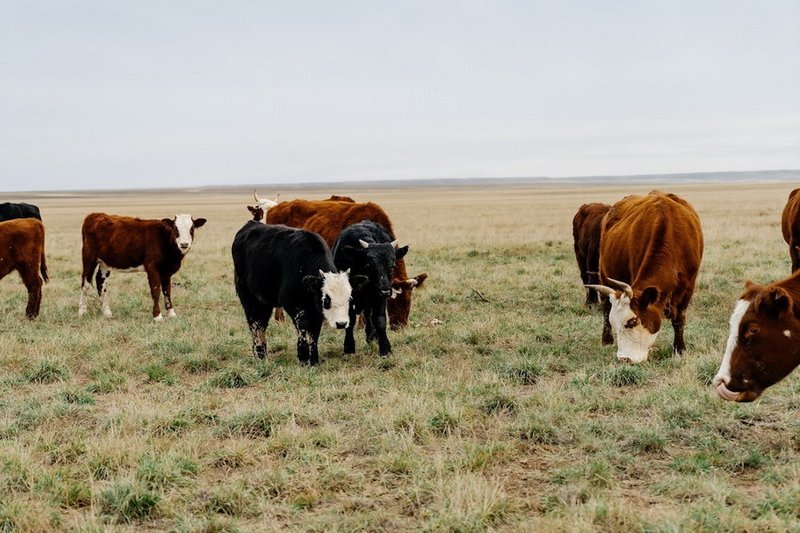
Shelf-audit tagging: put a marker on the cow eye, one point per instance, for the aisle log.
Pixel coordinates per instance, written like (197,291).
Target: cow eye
(326,302)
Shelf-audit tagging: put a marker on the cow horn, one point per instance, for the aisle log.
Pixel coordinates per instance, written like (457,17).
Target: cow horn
(394,243)
(364,244)
(608,291)
(255,196)
(624,286)
(412,282)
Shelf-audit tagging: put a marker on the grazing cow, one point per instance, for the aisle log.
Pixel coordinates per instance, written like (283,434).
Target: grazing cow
(328,218)
(280,266)
(763,343)
(9,211)
(128,244)
(790,224)
(650,247)
(367,249)
(586,227)
(22,249)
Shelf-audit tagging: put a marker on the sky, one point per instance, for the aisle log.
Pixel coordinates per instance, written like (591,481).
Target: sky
(98,94)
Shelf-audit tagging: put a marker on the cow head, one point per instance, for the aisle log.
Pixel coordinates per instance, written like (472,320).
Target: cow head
(762,345)
(635,318)
(263,205)
(377,260)
(333,291)
(399,305)
(182,228)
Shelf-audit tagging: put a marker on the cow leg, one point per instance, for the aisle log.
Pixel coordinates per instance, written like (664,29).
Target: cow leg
(257,315)
(101,280)
(89,266)
(369,327)
(154,280)
(307,337)
(30,277)
(379,325)
(166,290)
(678,322)
(608,338)
(349,337)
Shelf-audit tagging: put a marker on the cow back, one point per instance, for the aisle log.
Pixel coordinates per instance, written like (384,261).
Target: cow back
(125,242)
(790,219)
(21,242)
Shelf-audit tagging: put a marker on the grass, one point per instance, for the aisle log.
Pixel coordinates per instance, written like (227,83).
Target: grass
(504,414)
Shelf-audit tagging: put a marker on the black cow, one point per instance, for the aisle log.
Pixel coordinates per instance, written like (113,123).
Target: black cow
(367,249)
(9,211)
(278,266)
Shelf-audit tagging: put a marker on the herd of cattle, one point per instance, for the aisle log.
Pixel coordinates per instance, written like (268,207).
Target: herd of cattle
(334,260)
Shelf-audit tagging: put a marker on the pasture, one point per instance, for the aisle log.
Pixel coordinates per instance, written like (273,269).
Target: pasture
(498,410)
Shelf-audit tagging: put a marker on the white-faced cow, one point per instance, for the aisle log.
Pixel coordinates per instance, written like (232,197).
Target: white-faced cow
(367,249)
(650,249)
(11,211)
(22,249)
(764,340)
(275,266)
(127,244)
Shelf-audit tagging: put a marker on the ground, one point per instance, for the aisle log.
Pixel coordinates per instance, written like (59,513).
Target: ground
(500,411)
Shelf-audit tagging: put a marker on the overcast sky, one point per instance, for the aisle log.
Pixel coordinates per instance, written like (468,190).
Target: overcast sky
(98,94)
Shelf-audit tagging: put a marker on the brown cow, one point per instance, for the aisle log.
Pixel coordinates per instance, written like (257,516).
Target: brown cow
(586,227)
(650,247)
(762,346)
(22,249)
(790,224)
(328,218)
(128,244)
(260,209)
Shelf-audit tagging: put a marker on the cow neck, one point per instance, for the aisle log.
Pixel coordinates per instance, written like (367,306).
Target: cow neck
(170,248)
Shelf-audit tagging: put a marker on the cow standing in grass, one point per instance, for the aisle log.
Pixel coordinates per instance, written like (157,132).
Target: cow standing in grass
(368,249)
(127,244)
(650,249)
(586,227)
(22,249)
(280,266)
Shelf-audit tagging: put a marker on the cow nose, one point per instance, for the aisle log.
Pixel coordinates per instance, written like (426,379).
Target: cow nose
(341,325)
(184,245)
(385,292)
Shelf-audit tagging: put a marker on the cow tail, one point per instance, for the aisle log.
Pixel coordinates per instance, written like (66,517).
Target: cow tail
(43,268)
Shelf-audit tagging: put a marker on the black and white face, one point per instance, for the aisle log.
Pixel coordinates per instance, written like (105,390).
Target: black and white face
(336,294)
(183,227)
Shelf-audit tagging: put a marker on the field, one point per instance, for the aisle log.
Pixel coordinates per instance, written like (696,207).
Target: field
(502,412)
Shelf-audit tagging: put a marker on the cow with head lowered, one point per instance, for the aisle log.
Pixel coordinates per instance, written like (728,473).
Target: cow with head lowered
(328,218)
(763,342)
(586,226)
(127,244)
(22,249)
(278,266)
(650,250)
(366,248)
(790,226)
(12,211)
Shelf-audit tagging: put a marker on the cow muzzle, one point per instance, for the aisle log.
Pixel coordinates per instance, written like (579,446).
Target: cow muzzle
(341,325)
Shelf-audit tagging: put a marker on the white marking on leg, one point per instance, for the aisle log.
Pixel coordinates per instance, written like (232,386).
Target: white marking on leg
(105,307)
(171,313)
(724,372)
(158,318)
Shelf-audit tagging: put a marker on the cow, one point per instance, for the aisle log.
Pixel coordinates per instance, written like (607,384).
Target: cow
(790,224)
(366,248)
(586,227)
(260,209)
(9,211)
(762,346)
(276,265)
(127,244)
(328,218)
(650,249)
(22,249)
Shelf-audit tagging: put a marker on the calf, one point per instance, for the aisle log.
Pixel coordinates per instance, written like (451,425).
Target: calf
(653,245)
(280,266)
(22,249)
(127,244)
(790,225)
(9,211)
(586,226)
(762,346)
(366,248)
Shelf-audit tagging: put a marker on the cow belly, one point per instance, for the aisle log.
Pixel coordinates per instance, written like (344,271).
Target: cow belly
(106,266)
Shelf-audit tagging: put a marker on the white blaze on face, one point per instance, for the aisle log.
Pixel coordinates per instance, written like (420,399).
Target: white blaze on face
(183,223)
(632,343)
(724,372)
(336,292)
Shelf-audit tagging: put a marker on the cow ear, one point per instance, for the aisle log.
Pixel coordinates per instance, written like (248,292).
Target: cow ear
(648,297)
(776,301)
(399,253)
(252,209)
(312,283)
(357,282)
(420,279)
(198,222)
(168,222)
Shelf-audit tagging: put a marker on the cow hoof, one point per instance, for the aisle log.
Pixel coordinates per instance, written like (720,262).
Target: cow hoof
(158,318)
(171,313)
(81,311)
(107,313)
